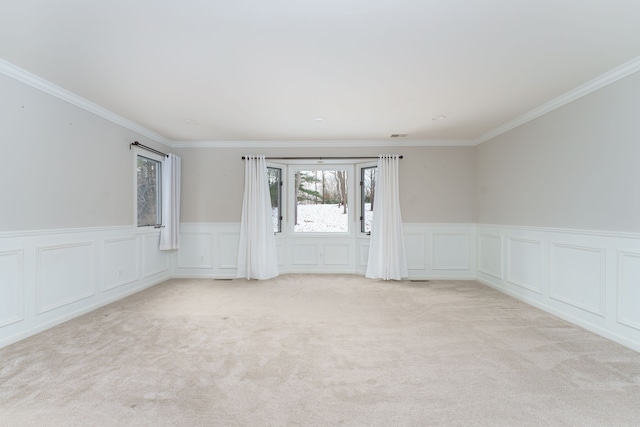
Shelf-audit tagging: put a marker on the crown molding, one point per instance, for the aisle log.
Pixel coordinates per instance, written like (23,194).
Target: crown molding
(325,144)
(39,83)
(599,82)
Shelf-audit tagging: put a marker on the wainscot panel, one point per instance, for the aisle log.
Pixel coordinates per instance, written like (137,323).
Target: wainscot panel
(524,263)
(120,262)
(363,254)
(207,250)
(195,251)
(337,254)
(590,278)
(449,249)
(12,289)
(576,276)
(318,254)
(227,244)
(51,276)
(154,261)
(305,254)
(629,289)
(65,274)
(280,254)
(441,251)
(491,254)
(416,252)
(450,255)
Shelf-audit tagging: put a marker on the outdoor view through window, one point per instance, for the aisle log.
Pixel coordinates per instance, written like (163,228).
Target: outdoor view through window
(367,196)
(321,201)
(148,182)
(275,191)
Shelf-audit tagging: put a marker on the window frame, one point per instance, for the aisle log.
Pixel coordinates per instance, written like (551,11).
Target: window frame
(282,170)
(361,205)
(160,159)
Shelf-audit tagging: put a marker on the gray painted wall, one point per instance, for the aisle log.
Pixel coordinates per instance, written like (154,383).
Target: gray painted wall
(62,167)
(437,183)
(576,167)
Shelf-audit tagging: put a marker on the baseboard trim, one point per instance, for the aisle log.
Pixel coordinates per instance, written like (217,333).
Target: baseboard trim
(564,316)
(77,313)
(355,273)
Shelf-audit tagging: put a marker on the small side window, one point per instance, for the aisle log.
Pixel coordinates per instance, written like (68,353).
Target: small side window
(149,194)
(275,191)
(367,197)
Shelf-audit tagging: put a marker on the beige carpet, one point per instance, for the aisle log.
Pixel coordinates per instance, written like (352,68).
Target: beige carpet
(318,350)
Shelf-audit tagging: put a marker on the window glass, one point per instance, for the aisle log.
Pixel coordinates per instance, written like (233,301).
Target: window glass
(367,197)
(148,181)
(321,201)
(275,191)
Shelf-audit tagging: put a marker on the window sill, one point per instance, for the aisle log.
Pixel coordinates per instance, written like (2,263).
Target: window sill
(147,229)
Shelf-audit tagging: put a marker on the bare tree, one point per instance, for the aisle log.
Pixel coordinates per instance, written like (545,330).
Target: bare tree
(372,187)
(342,189)
(298,184)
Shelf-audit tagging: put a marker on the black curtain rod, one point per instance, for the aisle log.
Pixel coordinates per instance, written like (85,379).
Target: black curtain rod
(137,144)
(318,158)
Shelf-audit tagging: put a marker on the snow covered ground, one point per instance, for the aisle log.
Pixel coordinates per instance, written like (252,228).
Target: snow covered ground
(324,219)
(368,216)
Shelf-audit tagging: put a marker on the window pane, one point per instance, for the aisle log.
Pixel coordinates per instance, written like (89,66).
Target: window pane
(148,179)
(321,201)
(367,196)
(275,180)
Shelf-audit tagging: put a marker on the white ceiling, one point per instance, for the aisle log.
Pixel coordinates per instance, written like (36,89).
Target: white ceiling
(262,70)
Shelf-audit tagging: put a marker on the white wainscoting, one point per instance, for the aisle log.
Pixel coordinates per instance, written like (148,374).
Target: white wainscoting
(490,247)
(120,262)
(525,263)
(628,290)
(207,251)
(433,251)
(51,276)
(590,278)
(12,287)
(441,251)
(64,274)
(576,276)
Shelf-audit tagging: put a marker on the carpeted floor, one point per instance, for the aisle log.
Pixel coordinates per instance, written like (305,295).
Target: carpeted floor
(318,350)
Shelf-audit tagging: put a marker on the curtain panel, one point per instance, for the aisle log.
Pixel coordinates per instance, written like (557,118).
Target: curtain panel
(257,250)
(170,231)
(387,258)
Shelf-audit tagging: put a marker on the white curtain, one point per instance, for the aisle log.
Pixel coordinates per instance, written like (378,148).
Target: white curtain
(170,231)
(257,252)
(387,259)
